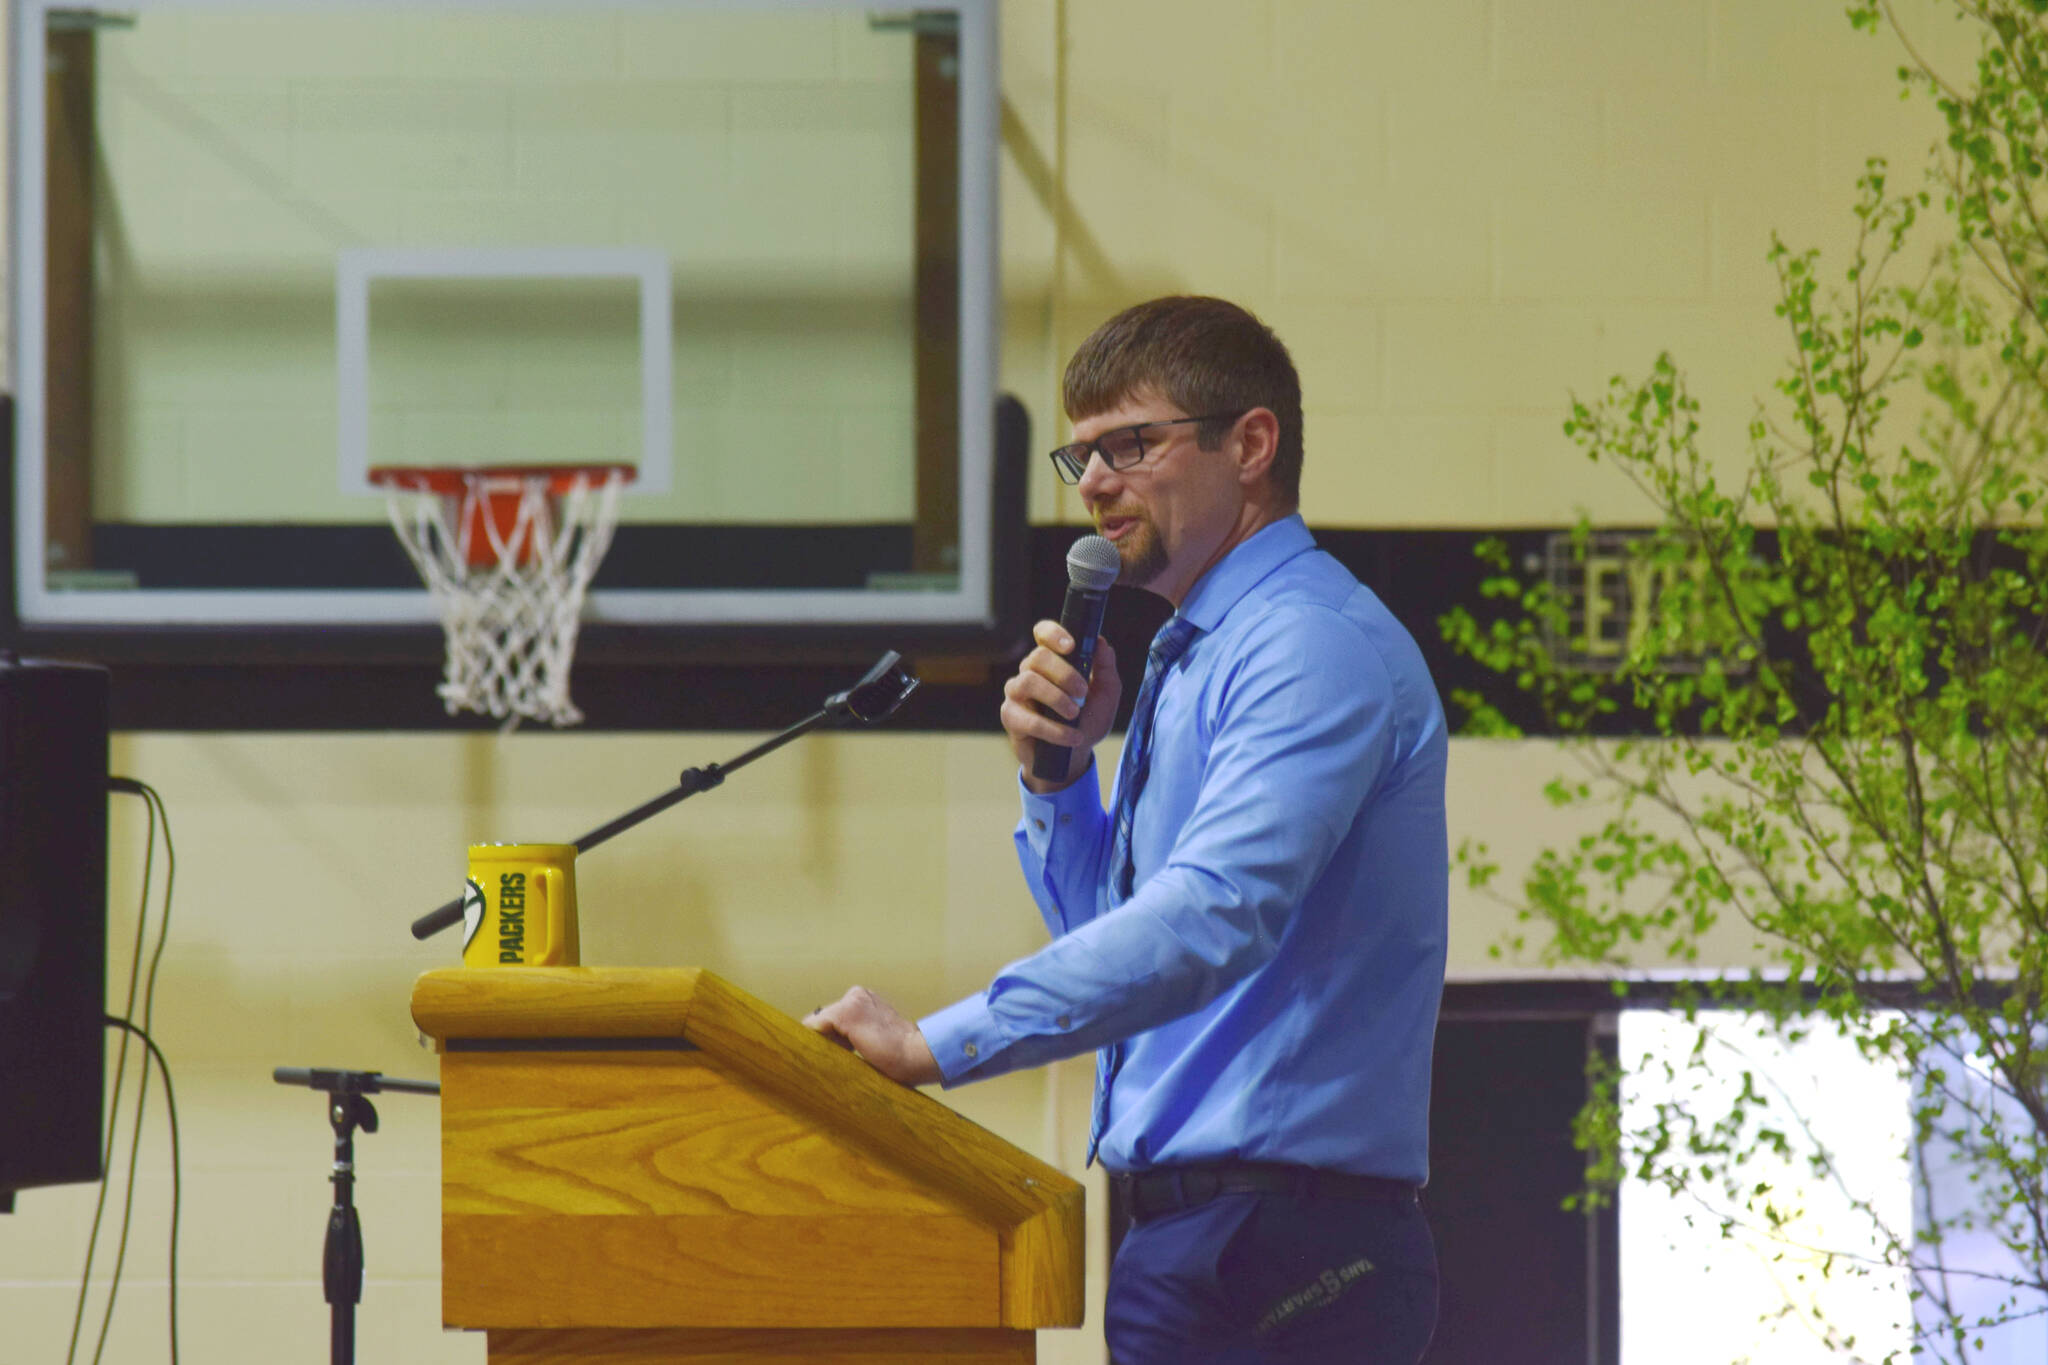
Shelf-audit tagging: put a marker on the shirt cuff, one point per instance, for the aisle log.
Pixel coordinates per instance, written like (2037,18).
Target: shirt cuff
(963,1036)
(1045,814)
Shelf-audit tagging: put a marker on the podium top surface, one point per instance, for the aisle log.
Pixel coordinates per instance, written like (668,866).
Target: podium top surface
(561,1002)
(761,1046)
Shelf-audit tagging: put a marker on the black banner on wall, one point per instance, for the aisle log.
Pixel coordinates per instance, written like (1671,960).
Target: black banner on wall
(624,679)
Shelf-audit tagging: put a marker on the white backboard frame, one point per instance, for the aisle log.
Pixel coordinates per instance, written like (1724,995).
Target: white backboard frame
(358,268)
(969,602)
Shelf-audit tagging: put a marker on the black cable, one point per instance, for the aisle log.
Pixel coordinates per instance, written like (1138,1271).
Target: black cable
(177,1162)
(163,930)
(130,787)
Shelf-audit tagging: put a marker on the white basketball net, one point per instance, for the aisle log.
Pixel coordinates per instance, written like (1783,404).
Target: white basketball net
(511,620)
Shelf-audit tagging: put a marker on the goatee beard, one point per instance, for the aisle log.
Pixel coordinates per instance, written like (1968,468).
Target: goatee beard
(1144,558)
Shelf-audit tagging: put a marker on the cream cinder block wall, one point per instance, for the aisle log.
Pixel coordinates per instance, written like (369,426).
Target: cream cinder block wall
(1453,212)
(302,858)
(768,154)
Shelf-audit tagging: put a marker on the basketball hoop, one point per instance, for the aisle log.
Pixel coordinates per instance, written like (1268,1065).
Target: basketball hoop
(507,553)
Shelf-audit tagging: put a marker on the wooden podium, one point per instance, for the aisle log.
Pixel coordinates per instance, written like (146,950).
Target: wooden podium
(649,1165)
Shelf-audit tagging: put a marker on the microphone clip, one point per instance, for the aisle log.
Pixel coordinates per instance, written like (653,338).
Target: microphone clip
(876,696)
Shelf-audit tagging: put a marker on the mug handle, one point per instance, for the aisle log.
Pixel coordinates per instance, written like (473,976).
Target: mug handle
(550,915)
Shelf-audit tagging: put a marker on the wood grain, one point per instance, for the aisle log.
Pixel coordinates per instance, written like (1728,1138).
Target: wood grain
(555,1002)
(731,1270)
(666,1133)
(956,1346)
(1038,1206)
(1042,1264)
(766,1120)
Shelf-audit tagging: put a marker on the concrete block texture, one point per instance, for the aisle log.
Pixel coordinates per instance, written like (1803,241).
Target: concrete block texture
(1511,163)
(1496,191)
(1458,214)
(768,152)
(878,859)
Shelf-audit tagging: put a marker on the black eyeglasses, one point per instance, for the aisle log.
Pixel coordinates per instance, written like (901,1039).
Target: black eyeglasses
(1122,448)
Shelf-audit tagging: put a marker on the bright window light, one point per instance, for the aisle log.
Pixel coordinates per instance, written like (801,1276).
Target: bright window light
(1704,1281)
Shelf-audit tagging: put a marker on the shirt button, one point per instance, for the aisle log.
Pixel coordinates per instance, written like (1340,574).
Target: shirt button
(1066,819)
(970,1049)
(1038,825)
(1065,1022)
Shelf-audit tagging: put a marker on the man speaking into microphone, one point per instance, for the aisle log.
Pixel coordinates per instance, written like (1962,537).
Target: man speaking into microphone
(1251,933)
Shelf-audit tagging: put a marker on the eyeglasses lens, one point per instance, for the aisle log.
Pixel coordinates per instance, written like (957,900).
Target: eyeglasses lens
(1122,447)
(1120,450)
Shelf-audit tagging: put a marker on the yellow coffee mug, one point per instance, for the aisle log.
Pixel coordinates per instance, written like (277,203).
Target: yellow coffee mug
(519,906)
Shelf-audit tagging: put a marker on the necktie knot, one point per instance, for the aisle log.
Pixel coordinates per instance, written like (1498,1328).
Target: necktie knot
(1170,643)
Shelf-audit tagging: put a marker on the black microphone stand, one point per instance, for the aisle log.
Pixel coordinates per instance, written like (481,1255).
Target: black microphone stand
(879,692)
(341,1261)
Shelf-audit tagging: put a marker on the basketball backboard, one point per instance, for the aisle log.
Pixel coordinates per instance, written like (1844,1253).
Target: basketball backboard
(745,248)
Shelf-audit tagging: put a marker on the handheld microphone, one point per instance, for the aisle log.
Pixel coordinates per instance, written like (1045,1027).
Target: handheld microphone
(1092,567)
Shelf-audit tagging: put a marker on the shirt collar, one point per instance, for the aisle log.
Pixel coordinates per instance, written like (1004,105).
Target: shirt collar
(1247,564)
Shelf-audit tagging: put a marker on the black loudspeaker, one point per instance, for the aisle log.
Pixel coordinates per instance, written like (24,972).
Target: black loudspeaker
(53,921)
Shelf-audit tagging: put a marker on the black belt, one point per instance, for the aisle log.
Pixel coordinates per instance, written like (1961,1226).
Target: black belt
(1169,1189)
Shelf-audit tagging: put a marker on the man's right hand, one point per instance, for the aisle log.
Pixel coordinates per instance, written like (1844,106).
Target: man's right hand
(1046,678)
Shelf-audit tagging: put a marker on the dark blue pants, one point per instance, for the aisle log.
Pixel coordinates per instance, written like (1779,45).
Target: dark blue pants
(1274,1279)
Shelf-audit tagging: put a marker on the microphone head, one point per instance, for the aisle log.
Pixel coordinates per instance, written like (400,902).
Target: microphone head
(1093,564)
(878,694)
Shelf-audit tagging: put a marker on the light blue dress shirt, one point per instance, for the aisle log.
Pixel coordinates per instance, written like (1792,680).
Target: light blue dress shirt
(1278,966)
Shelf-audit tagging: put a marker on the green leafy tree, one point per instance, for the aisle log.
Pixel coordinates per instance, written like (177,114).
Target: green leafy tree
(1836,678)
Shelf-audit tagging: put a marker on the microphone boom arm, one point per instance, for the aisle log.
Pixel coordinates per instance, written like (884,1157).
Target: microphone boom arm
(873,698)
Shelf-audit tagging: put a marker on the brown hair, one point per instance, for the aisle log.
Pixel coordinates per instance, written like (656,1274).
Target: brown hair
(1204,356)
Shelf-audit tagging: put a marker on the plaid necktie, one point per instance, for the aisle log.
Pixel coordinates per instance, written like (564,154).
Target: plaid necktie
(1172,641)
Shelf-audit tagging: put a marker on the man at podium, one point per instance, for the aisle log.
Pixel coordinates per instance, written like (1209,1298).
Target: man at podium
(1252,933)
